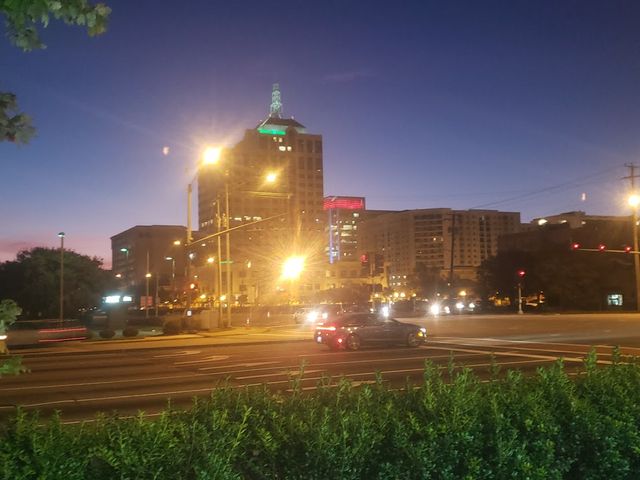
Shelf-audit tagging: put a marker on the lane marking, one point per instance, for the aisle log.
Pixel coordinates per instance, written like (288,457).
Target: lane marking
(105,382)
(212,358)
(178,354)
(527,355)
(278,374)
(555,350)
(581,345)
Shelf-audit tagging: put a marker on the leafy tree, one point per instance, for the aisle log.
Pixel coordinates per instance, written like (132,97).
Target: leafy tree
(9,311)
(569,280)
(22,17)
(426,281)
(33,279)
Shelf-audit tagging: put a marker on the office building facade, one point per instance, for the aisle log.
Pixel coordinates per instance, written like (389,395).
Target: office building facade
(452,242)
(272,181)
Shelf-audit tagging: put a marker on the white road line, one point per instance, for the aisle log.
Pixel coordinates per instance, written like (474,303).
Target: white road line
(516,354)
(105,382)
(253,364)
(178,354)
(278,374)
(490,345)
(114,397)
(212,358)
(581,345)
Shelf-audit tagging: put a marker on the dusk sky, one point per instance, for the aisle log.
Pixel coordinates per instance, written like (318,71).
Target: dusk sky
(509,105)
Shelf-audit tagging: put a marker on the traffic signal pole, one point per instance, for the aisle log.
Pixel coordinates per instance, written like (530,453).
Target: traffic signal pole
(636,259)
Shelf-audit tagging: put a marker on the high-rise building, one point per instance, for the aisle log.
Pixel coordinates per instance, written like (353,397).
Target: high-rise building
(274,172)
(452,243)
(149,249)
(344,215)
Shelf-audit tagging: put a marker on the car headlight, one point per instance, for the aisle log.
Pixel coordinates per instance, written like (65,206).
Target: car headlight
(312,316)
(423,330)
(435,309)
(472,305)
(447,309)
(459,305)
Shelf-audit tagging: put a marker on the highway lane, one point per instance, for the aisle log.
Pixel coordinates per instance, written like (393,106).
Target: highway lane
(81,383)
(144,381)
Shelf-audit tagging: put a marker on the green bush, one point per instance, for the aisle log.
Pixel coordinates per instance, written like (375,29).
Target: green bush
(107,333)
(450,426)
(172,327)
(130,332)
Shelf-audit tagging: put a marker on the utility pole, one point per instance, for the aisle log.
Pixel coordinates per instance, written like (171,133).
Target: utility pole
(219,240)
(61,235)
(636,259)
(228,252)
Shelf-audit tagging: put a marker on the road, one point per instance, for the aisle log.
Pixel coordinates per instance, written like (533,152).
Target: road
(84,378)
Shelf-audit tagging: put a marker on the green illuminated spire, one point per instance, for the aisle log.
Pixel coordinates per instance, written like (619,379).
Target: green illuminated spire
(276,103)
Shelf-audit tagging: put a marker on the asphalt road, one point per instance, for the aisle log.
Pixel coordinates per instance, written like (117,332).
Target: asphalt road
(82,379)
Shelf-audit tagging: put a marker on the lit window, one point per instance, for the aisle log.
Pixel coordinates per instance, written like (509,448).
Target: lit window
(282,148)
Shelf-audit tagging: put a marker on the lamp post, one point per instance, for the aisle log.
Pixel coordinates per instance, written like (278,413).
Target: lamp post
(209,157)
(61,235)
(173,274)
(634,202)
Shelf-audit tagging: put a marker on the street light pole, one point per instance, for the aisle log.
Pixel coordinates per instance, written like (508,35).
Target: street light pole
(634,201)
(228,252)
(61,235)
(146,298)
(219,240)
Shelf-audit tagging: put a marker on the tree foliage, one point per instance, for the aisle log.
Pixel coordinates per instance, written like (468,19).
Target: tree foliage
(569,280)
(426,281)
(22,19)
(9,312)
(33,280)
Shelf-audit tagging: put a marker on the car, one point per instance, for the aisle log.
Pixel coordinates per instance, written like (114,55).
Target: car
(351,331)
(318,314)
(451,307)
(41,332)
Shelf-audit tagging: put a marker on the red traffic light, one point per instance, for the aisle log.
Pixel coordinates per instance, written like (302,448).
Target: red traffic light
(521,273)
(628,249)
(602,247)
(575,246)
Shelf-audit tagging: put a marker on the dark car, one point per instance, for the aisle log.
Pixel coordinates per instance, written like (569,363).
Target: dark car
(351,331)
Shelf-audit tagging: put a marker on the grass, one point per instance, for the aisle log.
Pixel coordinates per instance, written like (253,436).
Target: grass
(450,426)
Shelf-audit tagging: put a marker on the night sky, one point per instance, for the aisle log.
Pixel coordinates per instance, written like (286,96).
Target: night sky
(510,105)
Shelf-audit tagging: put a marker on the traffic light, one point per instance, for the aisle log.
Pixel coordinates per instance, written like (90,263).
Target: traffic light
(575,246)
(602,247)
(365,265)
(521,273)
(628,249)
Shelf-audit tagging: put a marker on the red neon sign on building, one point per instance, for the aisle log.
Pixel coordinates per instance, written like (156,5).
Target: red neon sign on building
(347,203)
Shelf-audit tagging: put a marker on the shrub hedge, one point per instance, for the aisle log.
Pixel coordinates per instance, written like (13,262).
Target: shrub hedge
(451,426)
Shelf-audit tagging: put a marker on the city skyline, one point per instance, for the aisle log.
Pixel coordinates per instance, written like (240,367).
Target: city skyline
(521,108)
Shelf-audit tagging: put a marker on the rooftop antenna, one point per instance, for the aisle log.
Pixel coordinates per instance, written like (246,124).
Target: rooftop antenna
(276,103)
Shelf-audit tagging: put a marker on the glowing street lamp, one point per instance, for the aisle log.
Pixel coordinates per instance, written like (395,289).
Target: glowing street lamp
(211,156)
(292,267)
(271,177)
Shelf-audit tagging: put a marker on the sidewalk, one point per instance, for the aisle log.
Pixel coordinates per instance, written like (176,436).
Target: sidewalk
(227,337)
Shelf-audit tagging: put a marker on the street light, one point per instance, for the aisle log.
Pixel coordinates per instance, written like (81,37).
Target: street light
(271,177)
(61,235)
(634,202)
(293,267)
(211,155)
(173,274)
